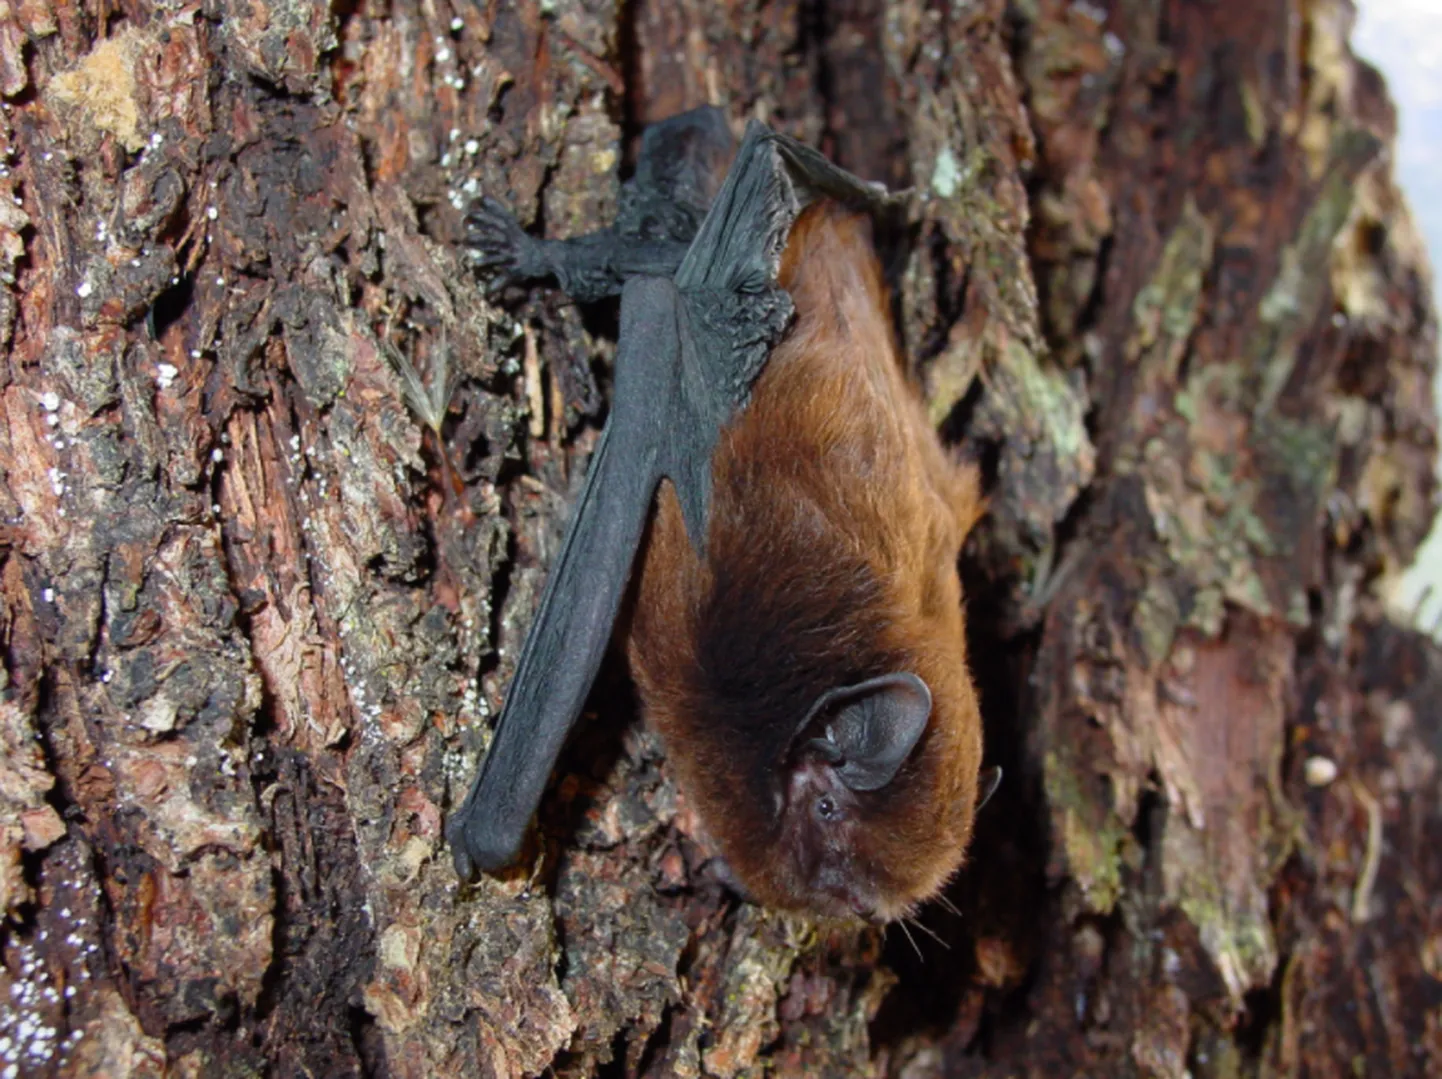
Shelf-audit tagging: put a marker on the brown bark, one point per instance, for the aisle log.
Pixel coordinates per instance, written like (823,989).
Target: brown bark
(261,586)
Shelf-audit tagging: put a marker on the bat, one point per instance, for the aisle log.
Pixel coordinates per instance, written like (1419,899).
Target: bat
(797,637)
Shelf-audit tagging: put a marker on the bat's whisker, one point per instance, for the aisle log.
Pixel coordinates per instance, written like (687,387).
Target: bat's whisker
(910,938)
(929,932)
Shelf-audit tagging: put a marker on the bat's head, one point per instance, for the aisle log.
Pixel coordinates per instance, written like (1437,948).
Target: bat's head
(872,806)
(845,797)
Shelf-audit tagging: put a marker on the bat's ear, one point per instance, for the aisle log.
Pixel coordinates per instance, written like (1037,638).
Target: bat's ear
(986,785)
(866,731)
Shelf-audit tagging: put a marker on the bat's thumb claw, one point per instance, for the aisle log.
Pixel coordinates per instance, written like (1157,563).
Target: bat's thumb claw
(465,868)
(460,856)
(477,846)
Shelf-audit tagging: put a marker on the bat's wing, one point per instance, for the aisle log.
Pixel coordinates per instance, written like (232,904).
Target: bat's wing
(690,348)
(568,639)
(733,311)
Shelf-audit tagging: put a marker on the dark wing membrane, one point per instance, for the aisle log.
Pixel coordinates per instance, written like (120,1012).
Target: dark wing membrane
(815,176)
(732,313)
(568,639)
(733,310)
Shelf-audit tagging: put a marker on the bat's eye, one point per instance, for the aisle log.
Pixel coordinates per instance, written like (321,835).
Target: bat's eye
(827,809)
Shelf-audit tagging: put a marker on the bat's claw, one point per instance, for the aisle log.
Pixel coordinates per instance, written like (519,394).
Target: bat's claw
(461,859)
(501,246)
(476,846)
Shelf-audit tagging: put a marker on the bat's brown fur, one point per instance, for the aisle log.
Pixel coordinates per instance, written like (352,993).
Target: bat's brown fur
(836,520)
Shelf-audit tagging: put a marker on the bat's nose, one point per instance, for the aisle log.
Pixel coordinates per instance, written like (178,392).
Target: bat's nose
(867,912)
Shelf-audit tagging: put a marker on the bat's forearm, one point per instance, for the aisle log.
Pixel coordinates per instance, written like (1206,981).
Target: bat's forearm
(596,266)
(583,592)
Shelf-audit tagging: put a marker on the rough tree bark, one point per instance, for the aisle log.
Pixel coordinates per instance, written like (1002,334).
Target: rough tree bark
(281,484)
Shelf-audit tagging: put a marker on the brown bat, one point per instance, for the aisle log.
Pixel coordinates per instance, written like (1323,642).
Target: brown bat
(798,635)
(827,602)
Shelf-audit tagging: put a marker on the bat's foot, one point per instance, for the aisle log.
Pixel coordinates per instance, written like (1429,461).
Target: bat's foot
(477,846)
(720,869)
(502,248)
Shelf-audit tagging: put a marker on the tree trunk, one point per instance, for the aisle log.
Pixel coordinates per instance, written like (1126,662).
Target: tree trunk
(282,483)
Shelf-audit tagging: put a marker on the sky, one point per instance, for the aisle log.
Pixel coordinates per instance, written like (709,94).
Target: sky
(1403,38)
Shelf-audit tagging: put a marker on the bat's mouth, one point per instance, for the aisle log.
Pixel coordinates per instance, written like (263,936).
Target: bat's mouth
(868,913)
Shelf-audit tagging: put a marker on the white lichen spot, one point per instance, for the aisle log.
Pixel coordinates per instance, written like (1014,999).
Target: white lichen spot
(945,174)
(50,401)
(165,374)
(211,212)
(83,290)
(1319,771)
(26,1036)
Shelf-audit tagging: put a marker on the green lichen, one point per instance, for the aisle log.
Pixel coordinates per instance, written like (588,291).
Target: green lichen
(1039,398)
(950,377)
(1256,115)
(1164,313)
(1294,299)
(1212,514)
(1233,929)
(1215,1055)
(1048,455)
(1229,908)
(1230,483)
(1096,853)
(1155,619)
